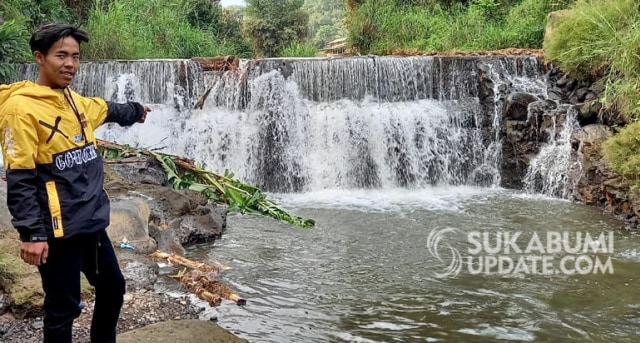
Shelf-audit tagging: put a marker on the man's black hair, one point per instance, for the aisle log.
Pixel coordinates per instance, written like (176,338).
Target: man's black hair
(44,37)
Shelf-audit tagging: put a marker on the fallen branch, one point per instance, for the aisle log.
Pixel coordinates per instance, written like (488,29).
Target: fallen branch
(210,290)
(202,99)
(183,261)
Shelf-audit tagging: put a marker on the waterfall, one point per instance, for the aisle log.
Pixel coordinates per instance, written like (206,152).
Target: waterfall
(549,173)
(293,125)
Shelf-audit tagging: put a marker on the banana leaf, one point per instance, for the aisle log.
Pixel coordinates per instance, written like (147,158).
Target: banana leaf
(183,173)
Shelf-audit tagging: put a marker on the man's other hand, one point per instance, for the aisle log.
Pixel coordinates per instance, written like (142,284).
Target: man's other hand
(34,253)
(147,109)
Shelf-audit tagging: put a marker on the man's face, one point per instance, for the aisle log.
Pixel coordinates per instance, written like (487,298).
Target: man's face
(60,64)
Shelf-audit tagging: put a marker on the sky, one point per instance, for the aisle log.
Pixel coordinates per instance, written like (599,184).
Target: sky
(232,2)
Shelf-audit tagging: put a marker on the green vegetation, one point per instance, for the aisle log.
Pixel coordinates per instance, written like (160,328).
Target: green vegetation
(298,49)
(326,21)
(13,47)
(388,26)
(270,25)
(622,152)
(601,38)
(129,29)
(219,189)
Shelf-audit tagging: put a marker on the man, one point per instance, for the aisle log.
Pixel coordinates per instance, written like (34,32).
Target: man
(55,183)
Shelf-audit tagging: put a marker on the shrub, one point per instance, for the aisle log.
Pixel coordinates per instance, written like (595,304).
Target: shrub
(601,38)
(14,47)
(622,152)
(593,36)
(298,49)
(384,26)
(132,29)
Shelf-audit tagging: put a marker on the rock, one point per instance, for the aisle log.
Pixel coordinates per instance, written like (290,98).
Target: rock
(588,112)
(148,172)
(168,241)
(555,94)
(178,203)
(23,286)
(571,85)
(598,87)
(592,135)
(516,106)
(130,221)
(581,93)
(184,331)
(198,228)
(594,168)
(562,81)
(139,273)
(38,324)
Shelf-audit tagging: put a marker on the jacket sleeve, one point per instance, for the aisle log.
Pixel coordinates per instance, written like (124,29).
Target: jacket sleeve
(100,111)
(20,138)
(125,114)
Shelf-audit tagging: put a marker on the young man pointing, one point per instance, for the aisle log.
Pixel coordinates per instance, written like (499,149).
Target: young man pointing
(55,183)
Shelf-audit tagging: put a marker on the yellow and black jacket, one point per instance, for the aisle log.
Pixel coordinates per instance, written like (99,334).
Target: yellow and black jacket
(54,172)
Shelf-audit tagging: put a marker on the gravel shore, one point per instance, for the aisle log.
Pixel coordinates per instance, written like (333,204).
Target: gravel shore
(141,308)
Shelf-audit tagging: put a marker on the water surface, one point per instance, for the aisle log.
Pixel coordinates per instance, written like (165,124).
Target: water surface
(364,273)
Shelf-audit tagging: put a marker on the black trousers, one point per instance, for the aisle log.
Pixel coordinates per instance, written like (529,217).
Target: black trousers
(93,255)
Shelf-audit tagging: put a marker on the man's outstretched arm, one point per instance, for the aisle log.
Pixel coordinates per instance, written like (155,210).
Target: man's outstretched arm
(126,114)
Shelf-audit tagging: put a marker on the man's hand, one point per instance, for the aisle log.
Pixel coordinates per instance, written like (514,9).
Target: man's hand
(34,253)
(147,109)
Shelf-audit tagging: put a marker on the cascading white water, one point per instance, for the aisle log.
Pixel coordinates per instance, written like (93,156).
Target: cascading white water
(311,124)
(508,75)
(549,172)
(287,143)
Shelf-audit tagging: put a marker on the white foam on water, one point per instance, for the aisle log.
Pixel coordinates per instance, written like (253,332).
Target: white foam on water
(446,198)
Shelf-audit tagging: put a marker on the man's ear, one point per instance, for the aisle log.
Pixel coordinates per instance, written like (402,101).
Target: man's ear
(39,57)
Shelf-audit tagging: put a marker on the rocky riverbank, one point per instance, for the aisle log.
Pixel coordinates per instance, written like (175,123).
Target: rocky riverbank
(530,123)
(148,216)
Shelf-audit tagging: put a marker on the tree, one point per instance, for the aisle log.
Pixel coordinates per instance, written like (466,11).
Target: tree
(326,20)
(270,25)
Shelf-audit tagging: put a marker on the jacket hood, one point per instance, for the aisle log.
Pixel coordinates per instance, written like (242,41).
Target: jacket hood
(29,89)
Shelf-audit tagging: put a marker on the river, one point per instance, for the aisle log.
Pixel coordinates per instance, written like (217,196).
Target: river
(364,274)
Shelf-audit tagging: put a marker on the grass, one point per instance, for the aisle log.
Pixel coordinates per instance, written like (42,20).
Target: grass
(298,49)
(595,36)
(622,152)
(601,38)
(134,29)
(384,26)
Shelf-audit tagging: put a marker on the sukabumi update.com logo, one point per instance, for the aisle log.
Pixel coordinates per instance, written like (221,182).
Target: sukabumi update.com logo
(500,252)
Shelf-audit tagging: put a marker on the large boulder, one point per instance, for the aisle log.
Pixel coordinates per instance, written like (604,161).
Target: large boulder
(130,223)
(184,331)
(516,107)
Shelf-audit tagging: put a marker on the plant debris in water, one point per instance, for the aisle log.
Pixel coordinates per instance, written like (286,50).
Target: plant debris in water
(183,173)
